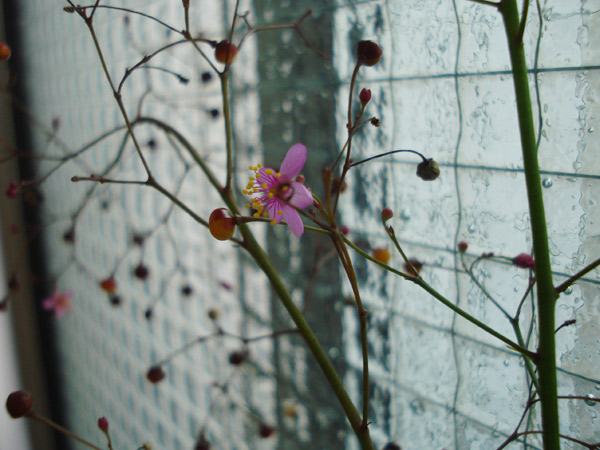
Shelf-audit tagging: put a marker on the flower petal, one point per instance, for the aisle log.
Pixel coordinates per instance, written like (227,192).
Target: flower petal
(293,220)
(293,162)
(274,206)
(301,197)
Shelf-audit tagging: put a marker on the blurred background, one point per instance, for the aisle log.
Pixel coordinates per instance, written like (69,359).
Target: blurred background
(443,88)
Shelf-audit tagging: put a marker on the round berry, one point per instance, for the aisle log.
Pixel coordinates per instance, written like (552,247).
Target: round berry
(155,374)
(221,224)
(225,52)
(19,403)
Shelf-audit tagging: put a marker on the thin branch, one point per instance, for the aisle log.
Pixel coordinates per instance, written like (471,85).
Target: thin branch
(564,286)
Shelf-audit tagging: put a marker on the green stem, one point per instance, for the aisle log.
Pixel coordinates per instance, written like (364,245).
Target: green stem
(228,132)
(420,282)
(546,294)
(263,261)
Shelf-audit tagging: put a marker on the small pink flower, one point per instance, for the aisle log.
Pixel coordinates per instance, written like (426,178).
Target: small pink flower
(524,261)
(59,302)
(279,196)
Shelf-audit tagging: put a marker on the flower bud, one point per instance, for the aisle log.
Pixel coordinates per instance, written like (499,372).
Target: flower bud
(524,261)
(103,424)
(265,430)
(141,271)
(19,403)
(392,446)
(344,230)
(368,53)
(364,96)
(109,285)
(428,170)
(221,224)
(375,122)
(155,374)
(225,52)
(462,246)
(382,255)
(12,190)
(386,214)
(417,265)
(238,358)
(5,51)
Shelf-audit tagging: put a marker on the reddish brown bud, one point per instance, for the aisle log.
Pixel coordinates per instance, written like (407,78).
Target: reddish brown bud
(19,403)
(386,214)
(417,265)
(344,230)
(462,246)
(4,51)
(365,96)
(265,430)
(221,224)
(155,374)
(524,261)
(141,271)
(109,285)
(238,358)
(225,52)
(368,53)
(13,189)
(382,255)
(103,424)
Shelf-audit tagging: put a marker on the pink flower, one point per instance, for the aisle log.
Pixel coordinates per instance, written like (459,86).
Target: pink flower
(524,261)
(59,302)
(279,196)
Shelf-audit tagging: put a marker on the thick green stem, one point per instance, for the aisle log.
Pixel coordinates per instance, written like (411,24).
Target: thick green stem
(228,131)
(263,261)
(546,294)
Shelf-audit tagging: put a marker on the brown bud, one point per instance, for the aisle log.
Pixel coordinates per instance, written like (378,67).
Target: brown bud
(428,170)
(19,403)
(368,53)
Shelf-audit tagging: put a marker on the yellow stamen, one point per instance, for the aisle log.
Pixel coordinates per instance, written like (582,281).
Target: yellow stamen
(245,192)
(251,168)
(264,185)
(285,188)
(257,215)
(266,214)
(247,205)
(273,222)
(280,212)
(277,174)
(271,195)
(269,172)
(258,174)
(259,166)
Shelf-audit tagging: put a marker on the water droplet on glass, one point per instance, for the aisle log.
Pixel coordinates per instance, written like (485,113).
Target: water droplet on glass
(547,182)
(333,352)
(286,106)
(590,129)
(506,362)
(569,290)
(590,400)
(405,214)
(417,406)
(472,228)
(577,165)
(598,387)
